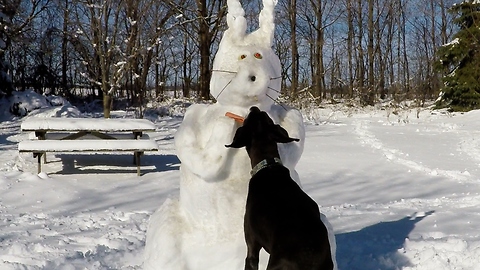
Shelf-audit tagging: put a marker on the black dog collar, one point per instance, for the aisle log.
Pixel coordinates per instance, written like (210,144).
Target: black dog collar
(264,164)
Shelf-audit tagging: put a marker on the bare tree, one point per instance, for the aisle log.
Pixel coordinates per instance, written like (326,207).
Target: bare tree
(201,25)
(66,24)
(292,11)
(210,15)
(140,18)
(120,37)
(370,49)
(8,9)
(316,49)
(350,48)
(125,48)
(13,30)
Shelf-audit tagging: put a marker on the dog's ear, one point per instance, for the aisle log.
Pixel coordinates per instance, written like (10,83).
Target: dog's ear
(240,139)
(280,135)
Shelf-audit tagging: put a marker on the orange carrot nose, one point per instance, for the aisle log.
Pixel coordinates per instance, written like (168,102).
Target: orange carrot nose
(236,117)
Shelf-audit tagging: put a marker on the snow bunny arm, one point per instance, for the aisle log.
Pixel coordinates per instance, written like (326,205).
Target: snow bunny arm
(200,142)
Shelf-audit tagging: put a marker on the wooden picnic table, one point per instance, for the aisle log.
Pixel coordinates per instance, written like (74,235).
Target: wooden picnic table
(60,135)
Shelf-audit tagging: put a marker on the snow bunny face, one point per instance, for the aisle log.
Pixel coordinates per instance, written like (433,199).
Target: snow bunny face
(246,72)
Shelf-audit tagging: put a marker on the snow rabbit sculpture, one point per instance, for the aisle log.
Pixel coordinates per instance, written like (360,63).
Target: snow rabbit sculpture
(204,228)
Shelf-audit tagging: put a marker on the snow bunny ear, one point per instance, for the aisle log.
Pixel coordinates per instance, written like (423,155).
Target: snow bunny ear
(237,24)
(266,23)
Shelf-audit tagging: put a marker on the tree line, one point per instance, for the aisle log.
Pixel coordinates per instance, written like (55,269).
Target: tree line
(140,49)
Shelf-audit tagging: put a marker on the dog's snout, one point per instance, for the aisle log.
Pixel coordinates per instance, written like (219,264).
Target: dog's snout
(253,78)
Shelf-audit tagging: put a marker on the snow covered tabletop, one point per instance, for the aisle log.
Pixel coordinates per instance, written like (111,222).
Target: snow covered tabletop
(89,124)
(87,145)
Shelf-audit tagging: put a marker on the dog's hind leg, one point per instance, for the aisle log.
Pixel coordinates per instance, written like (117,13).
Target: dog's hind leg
(253,253)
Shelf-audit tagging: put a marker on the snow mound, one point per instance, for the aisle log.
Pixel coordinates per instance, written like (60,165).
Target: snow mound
(442,253)
(29,102)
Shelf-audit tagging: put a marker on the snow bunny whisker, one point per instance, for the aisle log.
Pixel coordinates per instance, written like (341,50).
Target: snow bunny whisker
(276,101)
(223,89)
(273,89)
(224,71)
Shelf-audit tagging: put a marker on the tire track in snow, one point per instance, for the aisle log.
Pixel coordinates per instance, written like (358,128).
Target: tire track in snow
(395,155)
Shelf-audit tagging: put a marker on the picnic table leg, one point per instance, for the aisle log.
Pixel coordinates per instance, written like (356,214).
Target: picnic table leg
(137,161)
(39,158)
(41,135)
(137,135)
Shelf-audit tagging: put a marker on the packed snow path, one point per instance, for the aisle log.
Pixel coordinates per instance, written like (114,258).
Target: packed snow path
(400,192)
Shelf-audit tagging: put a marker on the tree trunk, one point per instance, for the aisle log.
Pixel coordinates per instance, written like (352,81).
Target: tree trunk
(293,40)
(443,31)
(186,70)
(370,49)
(319,75)
(157,76)
(107,105)
(350,48)
(65,49)
(406,70)
(379,83)
(204,46)
(360,56)
(8,10)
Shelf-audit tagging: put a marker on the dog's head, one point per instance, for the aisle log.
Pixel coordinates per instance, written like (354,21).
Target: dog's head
(259,126)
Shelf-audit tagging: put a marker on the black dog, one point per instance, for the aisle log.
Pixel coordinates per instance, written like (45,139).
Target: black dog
(279,216)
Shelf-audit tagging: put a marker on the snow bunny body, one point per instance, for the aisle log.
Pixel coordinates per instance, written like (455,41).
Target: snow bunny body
(207,220)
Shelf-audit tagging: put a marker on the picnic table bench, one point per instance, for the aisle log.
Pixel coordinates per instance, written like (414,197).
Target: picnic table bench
(87,135)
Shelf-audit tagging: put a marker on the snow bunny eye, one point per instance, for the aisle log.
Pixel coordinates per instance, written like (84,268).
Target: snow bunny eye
(258,55)
(243,56)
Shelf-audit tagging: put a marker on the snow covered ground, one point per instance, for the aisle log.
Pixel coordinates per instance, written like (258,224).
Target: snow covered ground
(401,193)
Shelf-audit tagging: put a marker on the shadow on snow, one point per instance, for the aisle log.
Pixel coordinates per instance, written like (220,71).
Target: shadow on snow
(376,247)
(112,163)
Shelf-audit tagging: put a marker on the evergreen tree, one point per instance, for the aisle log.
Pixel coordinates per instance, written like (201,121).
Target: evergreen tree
(459,60)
